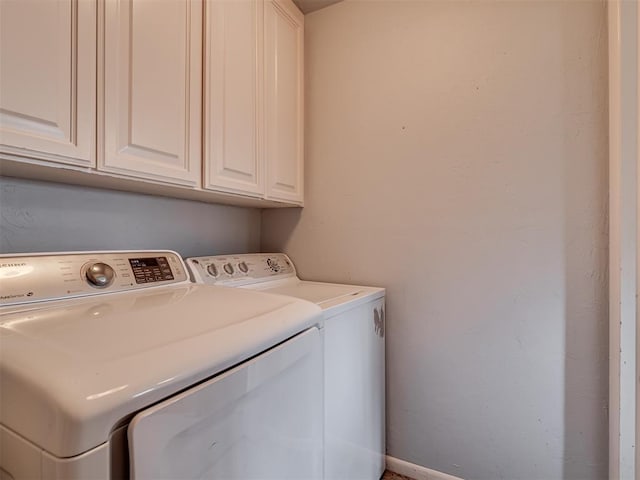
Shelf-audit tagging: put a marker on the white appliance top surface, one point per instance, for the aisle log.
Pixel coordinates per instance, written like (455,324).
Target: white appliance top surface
(316,292)
(72,369)
(331,297)
(275,273)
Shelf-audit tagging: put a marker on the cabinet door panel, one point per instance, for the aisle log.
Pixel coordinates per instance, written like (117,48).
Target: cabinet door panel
(284,100)
(152,82)
(47,79)
(233,33)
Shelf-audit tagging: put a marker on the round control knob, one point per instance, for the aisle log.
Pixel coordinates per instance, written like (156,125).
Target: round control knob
(243,267)
(99,275)
(212,269)
(273,265)
(228,268)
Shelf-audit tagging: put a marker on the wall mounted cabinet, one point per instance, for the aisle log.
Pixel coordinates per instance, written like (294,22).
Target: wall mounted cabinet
(284,115)
(48,80)
(253,106)
(233,97)
(131,116)
(151,94)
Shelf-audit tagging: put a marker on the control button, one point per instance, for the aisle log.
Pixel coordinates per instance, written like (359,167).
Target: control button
(100,275)
(242,266)
(228,268)
(273,265)
(213,270)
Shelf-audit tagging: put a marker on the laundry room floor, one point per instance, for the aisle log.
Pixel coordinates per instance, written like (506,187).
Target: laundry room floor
(394,476)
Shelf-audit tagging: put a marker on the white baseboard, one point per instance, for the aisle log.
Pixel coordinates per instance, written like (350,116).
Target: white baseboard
(416,471)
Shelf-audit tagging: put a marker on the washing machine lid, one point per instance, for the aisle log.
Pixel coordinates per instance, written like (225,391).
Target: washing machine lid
(71,370)
(333,298)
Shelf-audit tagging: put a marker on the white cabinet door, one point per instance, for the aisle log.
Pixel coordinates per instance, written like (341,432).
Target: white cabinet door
(233,96)
(284,50)
(152,90)
(48,80)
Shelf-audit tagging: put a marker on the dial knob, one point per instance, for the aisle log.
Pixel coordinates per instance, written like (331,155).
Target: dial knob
(243,267)
(273,265)
(212,269)
(228,268)
(100,275)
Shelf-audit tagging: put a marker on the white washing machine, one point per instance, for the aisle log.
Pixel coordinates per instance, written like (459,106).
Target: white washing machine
(354,356)
(114,365)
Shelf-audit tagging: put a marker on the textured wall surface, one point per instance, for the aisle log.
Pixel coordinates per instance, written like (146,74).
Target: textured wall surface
(457,155)
(40,217)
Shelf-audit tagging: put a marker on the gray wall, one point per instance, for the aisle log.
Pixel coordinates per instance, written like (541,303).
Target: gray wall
(40,217)
(457,155)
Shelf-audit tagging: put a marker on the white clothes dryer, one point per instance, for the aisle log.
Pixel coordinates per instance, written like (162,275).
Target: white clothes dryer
(114,365)
(354,355)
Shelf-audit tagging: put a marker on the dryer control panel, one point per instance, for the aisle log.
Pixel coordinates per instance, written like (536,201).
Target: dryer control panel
(40,277)
(240,269)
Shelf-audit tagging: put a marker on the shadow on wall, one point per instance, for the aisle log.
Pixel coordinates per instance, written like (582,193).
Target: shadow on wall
(586,229)
(586,341)
(278,238)
(50,217)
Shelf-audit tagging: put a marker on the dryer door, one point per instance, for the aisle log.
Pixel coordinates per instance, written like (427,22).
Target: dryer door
(259,420)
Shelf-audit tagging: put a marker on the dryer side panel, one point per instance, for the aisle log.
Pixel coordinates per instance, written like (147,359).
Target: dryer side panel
(355,392)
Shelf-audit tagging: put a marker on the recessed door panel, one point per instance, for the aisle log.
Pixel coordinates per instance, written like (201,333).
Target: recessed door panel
(47,79)
(284,100)
(233,99)
(152,69)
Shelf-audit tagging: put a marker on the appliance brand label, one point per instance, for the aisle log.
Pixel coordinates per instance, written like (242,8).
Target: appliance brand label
(8,265)
(18,295)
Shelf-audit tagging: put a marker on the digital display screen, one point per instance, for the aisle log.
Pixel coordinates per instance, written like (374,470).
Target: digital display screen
(148,270)
(144,262)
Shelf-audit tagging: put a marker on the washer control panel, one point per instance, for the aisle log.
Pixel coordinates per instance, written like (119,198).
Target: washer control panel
(39,277)
(240,269)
